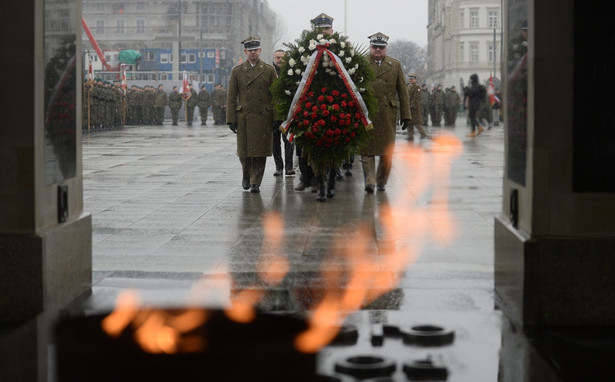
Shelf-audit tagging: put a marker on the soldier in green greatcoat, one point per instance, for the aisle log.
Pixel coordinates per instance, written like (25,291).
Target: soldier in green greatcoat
(218,104)
(250,112)
(175,103)
(392,95)
(437,101)
(204,104)
(452,101)
(414,95)
(160,102)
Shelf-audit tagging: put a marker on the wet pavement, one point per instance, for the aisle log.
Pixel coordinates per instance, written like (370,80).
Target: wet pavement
(168,210)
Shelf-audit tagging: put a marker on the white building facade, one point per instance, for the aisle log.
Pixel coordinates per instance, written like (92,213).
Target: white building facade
(464,37)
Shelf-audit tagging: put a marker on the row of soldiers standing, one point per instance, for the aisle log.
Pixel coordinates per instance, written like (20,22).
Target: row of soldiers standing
(107,106)
(439,103)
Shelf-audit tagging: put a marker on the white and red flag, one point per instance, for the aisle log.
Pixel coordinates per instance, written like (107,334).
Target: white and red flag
(491,91)
(185,90)
(124,80)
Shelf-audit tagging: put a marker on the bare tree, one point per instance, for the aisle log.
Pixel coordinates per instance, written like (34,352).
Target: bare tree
(411,56)
(279,30)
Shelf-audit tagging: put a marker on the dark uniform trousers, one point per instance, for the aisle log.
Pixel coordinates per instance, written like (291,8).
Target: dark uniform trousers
(253,168)
(287,163)
(378,176)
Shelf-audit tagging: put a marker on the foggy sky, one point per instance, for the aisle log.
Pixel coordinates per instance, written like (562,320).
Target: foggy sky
(399,19)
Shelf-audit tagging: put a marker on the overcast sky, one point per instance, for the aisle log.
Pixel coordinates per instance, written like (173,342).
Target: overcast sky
(398,19)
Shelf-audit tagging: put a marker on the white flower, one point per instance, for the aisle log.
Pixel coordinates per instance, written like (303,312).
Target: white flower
(356,66)
(361,79)
(291,62)
(290,72)
(298,83)
(319,37)
(351,71)
(361,90)
(341,53)
(287,92)
(324,64)
(352,52)
(301,49)
(297,71)
(322,41)
(342,45)
(348,60)
(312,45)
(332,41)
(333,72)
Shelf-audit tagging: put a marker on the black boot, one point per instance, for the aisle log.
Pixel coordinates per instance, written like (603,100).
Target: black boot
(331,183)
(320,196)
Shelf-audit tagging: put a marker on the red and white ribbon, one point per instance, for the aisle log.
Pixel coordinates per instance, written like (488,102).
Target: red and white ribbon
(308,77)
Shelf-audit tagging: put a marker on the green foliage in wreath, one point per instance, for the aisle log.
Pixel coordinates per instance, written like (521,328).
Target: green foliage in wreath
(326,120)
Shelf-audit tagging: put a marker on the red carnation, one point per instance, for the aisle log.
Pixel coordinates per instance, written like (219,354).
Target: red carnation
(306,122)
(308,105)
(314,108)
(336,107)
(313,115)
(323,90)
(321,99)
(311,94)
(351,103)
(323,107)
(315,129)
(335,93)
(344,104)
(330,98)
(325,113)
(306,113)
(333,118)
(338,131)
(344,95)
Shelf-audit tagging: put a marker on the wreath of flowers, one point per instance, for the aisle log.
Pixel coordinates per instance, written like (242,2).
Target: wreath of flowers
(329,119)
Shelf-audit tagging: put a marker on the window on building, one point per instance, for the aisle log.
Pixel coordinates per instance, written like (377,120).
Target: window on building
(192,58)
(493,18)
(474,18)
(140,5)
(119,26)
(211,54)
(108,57)
(140,26)
(462,19)
(100,6)
(100,26)
(211,78)
(150,56)
(118,8)
(165,58)
(462,55)
(492,53)
(474,52)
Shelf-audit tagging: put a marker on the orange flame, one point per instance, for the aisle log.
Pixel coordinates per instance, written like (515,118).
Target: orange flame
(372,264)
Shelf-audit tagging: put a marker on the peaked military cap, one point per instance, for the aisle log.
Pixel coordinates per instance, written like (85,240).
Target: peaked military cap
(322,21)
(251,43)
(379,39)
(412,75)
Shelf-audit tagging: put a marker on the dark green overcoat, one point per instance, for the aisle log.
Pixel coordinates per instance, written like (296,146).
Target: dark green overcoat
(249,104)
(389,86)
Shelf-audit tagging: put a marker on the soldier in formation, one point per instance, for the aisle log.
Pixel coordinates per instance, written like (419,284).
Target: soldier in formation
(437,105)
(102,105)
(160,103)
(414,94)
(451,106)
(204,104)
(191,99)
(175,103)
(218,105)
(424,102)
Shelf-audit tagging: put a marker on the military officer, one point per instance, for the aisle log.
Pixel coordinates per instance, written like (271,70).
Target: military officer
(452,106)
(175,103)
(250,113)
(204,104)
(389,85)
(437,101)
(414,95)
